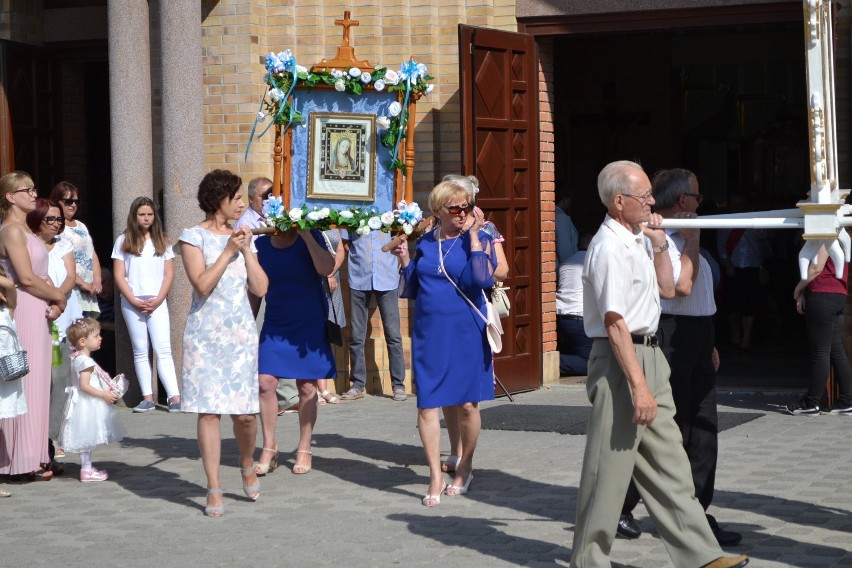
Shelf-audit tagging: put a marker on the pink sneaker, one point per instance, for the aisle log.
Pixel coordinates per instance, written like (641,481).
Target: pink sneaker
(87,475)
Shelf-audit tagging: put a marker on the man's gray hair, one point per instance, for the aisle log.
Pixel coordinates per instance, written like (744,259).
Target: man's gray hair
(252,185)
(669,185)
(614,179)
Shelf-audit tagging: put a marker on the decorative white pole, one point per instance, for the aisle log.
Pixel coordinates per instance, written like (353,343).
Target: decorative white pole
(822,216)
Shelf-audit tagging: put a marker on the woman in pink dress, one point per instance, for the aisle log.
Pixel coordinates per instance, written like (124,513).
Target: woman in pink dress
(23,439)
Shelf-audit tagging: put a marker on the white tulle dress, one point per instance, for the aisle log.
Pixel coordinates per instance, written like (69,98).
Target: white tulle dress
(88,421)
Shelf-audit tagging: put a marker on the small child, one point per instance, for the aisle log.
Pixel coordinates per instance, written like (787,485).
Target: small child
(89,419)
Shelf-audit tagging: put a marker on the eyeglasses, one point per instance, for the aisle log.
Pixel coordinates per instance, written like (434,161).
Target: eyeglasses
(698,197)
(51,219)
(31,191)
(643,199)
(456,209)
(69,201)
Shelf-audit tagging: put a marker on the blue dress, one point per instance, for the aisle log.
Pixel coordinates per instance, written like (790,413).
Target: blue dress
(293,343)
(452,361)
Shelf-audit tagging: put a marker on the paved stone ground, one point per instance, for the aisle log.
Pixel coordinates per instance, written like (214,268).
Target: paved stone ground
(784,482)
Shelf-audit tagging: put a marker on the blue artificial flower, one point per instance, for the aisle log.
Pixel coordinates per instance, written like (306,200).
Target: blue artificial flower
(272,207)
(411,71)
(272,62)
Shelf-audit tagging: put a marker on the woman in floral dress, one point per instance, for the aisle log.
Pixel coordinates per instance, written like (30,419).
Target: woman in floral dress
(88,283)
(220,340)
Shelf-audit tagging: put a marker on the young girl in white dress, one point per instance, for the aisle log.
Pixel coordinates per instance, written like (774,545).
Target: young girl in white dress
(143,267)
(90,418)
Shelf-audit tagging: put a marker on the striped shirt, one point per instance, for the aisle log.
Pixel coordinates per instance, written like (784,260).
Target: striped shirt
(700,302)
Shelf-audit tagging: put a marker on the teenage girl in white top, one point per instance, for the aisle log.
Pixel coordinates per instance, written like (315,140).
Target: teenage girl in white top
(143,267)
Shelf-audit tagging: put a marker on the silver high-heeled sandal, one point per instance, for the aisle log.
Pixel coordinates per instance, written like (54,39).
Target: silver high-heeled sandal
(214,511)
(251,491)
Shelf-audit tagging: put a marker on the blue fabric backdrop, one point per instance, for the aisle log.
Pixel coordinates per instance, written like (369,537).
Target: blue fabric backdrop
(308,101)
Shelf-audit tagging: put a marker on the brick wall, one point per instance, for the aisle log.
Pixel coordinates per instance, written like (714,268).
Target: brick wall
(547,182)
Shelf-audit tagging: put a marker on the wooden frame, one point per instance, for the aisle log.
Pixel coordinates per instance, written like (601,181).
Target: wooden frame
(282,157)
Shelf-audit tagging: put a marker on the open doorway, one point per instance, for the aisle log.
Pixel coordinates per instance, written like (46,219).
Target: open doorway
(729,103)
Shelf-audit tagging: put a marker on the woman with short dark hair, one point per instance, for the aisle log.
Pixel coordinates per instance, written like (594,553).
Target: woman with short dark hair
(220,339)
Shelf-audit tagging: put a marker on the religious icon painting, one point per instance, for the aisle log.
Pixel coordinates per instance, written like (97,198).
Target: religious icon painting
(342,156)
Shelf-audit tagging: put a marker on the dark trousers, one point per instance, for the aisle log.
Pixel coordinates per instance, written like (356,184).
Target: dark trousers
(824,319)
(687,342)
(574,346)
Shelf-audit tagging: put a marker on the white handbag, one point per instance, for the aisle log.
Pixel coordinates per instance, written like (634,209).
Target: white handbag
(493,327)
(500,300)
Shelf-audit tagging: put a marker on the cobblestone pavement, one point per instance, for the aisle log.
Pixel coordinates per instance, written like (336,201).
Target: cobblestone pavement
(783,481)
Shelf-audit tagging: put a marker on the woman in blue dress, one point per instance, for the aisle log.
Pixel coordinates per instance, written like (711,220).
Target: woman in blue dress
(452,360)
(293,344)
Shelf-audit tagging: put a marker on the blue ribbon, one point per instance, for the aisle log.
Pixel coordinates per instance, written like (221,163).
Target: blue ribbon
(402,121)
(283,102)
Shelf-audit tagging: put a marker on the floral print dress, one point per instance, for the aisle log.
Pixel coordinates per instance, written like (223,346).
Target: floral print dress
(84,259)
(220,339)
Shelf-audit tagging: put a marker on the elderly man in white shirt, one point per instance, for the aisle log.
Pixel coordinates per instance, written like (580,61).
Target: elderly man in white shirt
(631,430)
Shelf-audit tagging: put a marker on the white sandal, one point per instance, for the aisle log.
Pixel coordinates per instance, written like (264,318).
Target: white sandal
(327,396)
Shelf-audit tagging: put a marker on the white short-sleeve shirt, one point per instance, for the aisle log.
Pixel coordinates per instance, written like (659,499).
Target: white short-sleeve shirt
(619,276)
(144,272)
(700,302)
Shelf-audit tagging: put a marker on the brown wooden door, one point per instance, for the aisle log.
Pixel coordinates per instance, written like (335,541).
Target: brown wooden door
(32,87)
(499,124)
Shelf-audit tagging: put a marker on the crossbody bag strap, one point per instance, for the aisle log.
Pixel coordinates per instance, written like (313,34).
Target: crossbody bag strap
(456,286)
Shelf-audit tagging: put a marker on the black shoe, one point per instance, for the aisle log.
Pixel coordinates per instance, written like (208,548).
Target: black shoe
(723,537)
(628,527)
(802,406)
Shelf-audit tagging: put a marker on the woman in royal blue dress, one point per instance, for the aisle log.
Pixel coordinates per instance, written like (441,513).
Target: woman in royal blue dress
(293,344)
(452,360)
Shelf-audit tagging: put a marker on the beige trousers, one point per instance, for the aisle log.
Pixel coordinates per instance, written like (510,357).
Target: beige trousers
(617,449)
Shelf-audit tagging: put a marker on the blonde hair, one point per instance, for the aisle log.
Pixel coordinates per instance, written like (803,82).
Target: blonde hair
(10,183)
(81,329)
(445,192)
(469,183)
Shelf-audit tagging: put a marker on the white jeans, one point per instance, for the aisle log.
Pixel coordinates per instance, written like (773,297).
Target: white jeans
(139,325)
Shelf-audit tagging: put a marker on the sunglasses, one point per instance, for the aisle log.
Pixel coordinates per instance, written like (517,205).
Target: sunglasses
(456,209)
(70,201)
(51,219)
(698,197)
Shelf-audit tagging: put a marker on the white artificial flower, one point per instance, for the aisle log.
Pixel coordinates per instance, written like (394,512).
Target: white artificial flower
(379,85)
(365,230)
(375,223)
(261,116)
(354,72)
(395,108)
(387,218)
(391,77)
(346,214)
(383,122)
(295,214)
(407,229)
(270,222)
(300,69)
(339,85)
(429,88)
(324,213)
(274,95)
(366,77)
(313,216)
(336,73)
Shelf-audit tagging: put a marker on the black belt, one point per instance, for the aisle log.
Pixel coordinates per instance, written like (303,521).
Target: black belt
(646,340)
(568,317)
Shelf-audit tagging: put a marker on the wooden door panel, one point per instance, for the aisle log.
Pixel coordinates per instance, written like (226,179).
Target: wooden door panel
(499,93)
